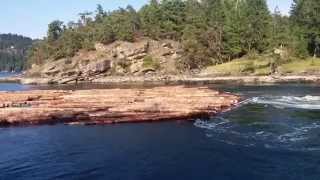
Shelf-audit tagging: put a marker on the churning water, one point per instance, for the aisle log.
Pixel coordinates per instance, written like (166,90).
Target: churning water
(273,134)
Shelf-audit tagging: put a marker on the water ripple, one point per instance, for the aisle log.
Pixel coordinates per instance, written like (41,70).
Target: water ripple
(305,102)
(294,137)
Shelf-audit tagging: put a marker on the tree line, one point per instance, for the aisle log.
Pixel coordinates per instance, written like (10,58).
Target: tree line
(210,31)
(13,52)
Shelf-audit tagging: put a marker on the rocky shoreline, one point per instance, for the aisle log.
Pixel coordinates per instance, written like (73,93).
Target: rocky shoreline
(212,80)
(183,79)
(110,106)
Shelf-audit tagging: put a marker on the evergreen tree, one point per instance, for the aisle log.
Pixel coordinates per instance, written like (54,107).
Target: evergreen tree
(55,30)
(257,21)
(215,12)
(173,18)
(281,34)
(210,31)
(100,14)
(195,26)
(305,15)
(13,52)
(151,16)
(234,28)
(124,23)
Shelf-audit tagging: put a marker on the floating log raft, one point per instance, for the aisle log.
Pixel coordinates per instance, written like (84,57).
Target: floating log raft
(109,106)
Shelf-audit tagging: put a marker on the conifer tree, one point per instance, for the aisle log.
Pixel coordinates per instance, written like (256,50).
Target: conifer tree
(257,23)
(305,15)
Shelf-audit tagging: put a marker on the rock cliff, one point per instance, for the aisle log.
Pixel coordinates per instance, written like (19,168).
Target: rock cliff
(141,58)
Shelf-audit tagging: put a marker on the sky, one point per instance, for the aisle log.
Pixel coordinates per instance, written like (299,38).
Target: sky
(31,17)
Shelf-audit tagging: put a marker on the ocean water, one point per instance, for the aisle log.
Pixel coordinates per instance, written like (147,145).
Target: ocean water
(274,134)
(10,86)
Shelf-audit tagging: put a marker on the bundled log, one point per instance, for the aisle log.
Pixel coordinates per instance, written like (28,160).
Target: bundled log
(111,105)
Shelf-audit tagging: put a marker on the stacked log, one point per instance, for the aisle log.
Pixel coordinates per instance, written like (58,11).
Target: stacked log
(108,106)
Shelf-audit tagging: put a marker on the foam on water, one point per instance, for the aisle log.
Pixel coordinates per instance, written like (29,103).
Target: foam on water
(306,102)
(288,132)
(229,133)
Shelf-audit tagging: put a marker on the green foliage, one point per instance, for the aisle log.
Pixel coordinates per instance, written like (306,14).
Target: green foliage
(215,12)
(234,27)
(256,33)
(38,53)
(149,62)
(123,23)
(100,14)
(300,45)
(281,34)
(70,42)
(237,67)
(193,36)
(55,30)
(305,17)
(210,31)
(13,52)
(19,42)
(309,65)
(194,56)
(151,16)
(243,66)
(11,62)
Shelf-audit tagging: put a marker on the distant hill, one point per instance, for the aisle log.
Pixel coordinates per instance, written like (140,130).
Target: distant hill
(13,51)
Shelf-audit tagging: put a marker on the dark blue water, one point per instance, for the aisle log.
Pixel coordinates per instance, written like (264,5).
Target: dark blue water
(12,87)
(275,134)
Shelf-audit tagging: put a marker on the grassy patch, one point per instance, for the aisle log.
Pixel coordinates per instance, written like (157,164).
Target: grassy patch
(241,66)
(149,62)
(262,66)
(310,65)
(262,71)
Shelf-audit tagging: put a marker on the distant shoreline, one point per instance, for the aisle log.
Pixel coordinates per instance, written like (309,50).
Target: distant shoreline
(171,80)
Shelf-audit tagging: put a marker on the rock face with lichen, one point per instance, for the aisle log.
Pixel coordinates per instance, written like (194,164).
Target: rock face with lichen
(111,105)
(120,58)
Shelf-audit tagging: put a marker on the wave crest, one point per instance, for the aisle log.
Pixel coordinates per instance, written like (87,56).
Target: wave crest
(306,102)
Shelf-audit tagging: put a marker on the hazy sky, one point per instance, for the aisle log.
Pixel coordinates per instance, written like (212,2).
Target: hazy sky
(31,17)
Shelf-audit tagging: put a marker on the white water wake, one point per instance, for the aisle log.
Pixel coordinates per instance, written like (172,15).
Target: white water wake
(296,138)
(293,135)
(306,102)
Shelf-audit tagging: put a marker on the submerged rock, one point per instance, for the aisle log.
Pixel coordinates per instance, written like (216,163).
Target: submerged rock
(111,105)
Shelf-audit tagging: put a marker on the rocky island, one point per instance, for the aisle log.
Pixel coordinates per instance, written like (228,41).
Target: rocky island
(111,105)
(156,61)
